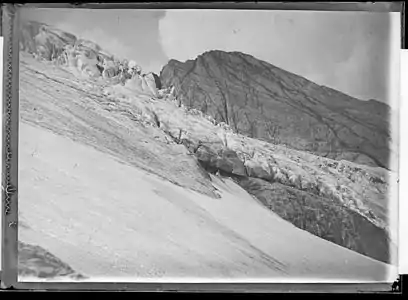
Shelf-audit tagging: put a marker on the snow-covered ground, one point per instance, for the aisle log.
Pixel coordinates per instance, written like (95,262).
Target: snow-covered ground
(115,200)
(106,218)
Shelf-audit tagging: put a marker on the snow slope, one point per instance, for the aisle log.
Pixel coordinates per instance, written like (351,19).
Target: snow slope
(104,217)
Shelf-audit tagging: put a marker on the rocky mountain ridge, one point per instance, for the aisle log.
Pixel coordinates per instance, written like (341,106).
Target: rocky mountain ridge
(265,102)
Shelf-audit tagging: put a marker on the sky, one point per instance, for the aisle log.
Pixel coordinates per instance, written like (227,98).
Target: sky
(348,51)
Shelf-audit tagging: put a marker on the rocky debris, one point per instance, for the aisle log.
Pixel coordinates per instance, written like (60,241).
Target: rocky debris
(262,101)
(34,261)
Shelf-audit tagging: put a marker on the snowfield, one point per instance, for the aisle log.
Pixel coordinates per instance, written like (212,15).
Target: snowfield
(114,197)
(106,218)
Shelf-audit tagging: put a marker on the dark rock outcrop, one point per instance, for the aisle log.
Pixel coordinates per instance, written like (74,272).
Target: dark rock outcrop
(322,217)
(37,262)
(157,81)
(258,171)
(262,101)
(224,160)
(229,162)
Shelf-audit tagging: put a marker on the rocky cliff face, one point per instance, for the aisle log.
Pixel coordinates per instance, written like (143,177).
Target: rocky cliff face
(262,101)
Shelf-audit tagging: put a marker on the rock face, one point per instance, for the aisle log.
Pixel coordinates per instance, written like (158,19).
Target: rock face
(37,262)
(327,219)
(156,80)
(262,101)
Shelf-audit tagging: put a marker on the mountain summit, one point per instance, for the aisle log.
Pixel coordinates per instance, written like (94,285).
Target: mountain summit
(262,101)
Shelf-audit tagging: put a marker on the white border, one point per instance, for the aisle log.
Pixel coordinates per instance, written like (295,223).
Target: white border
(403,176)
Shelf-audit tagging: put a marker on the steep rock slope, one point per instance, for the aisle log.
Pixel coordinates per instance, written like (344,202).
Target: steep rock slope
(265,102)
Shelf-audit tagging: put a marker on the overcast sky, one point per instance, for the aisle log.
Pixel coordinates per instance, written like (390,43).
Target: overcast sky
(348,51)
